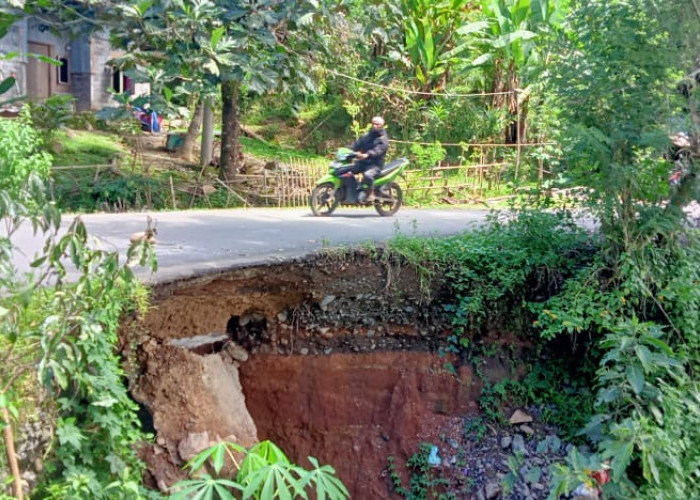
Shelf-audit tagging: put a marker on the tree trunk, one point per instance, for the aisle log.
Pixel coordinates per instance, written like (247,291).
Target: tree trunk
(11,456)
(207,134)
(187,148)
(230,131)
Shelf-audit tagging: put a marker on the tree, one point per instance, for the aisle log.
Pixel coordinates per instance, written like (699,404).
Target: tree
(510,38)
(239,46)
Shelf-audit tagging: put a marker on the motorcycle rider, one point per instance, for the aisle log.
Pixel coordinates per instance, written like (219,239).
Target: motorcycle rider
(372,148)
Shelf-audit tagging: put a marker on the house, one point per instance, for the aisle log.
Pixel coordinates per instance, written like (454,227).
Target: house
(84,69)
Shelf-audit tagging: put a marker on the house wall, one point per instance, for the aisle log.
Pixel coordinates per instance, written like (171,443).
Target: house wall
(102,75)
(89,74)
(14,41)
(81,74)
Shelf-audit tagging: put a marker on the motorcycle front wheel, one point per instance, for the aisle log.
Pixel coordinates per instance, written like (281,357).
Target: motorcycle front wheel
(323,201)
(389,199)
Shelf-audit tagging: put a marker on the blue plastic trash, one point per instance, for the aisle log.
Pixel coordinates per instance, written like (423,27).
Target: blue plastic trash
(433,458)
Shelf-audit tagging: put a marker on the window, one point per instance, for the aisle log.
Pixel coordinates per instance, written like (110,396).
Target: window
(63,70)
(120,82)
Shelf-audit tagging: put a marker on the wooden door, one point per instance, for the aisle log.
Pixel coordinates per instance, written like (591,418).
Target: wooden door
(38,72)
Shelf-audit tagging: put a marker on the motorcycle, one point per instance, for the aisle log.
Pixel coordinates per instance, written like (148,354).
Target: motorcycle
(341,187)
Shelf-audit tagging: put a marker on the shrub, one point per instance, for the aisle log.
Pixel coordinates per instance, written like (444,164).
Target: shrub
(20,155)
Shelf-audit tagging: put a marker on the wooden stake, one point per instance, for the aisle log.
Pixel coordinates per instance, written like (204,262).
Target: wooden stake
(172,193)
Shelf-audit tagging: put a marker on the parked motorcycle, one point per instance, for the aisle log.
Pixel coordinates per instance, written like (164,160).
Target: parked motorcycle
(341,187)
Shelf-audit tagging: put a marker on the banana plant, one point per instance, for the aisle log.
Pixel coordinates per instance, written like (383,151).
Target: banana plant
(509,35)
(431,44)
(510,38)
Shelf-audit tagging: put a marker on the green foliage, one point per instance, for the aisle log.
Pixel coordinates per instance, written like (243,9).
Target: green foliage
(51,114)
(271,151)
(430,36)
(578,468)
(265,472)
(428,156)
(20,156)
(514,463)
(495,271)
(424,481)
(61,322)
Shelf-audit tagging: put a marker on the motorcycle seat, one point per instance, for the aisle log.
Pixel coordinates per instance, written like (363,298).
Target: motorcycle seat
(390,167)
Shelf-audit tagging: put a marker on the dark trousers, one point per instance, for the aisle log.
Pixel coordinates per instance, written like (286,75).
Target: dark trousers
(370,171)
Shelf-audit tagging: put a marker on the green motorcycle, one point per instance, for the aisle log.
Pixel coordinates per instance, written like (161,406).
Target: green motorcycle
(341,187)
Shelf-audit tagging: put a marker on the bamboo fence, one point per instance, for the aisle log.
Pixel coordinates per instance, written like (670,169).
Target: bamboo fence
(288,182)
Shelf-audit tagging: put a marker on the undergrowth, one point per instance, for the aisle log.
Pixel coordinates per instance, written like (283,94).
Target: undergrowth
(626,313)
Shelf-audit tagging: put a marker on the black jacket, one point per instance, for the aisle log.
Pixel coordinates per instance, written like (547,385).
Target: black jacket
(375,143)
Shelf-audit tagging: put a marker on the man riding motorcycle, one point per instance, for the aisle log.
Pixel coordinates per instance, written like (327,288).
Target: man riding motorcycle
(372,148)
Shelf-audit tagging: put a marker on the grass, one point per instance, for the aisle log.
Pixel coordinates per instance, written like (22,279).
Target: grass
(271,151)
(87,148)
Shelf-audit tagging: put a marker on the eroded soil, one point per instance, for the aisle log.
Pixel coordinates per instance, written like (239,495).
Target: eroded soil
(336,357)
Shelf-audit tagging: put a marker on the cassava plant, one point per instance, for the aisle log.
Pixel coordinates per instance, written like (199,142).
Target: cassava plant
(264,472)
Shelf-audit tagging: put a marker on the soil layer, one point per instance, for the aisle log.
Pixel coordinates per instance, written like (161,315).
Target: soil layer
(334,357)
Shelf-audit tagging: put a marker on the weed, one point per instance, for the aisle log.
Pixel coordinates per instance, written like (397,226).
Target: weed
(424,482)
(475,428)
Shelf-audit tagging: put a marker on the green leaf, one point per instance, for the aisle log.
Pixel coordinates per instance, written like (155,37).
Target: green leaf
(69,434)
(635,377)
(106,402)
(473,27)
(650,470)
(7,84)
(644,356)
(218,457)
(45,59)
(660,344)
(621,456)
(216,36)
(482,59)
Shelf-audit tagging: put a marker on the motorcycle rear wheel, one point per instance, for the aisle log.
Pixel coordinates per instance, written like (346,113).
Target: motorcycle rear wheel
(323,201)
(389,199)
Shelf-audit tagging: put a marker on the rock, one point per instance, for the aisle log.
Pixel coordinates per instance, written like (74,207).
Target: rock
(506,442)
(527,430)
(326,301)
(519,444)
(520,417)
(193,444)
(522,489)
(491,490)
(303,351)
(208,189)
(237,352)
(282,316)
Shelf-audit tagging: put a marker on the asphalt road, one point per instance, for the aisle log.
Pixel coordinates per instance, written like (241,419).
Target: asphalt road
(193,243)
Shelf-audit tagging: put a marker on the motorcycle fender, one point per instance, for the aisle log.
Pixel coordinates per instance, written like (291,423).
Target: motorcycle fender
(329,178)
